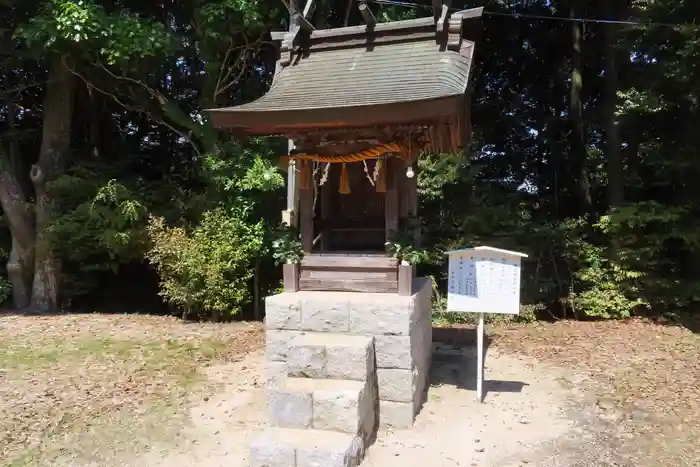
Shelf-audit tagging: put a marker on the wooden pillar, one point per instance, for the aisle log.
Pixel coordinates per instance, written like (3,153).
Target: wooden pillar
(325,196)
(408,190)
(290,272)
(411,196)
(391,201)
(406,275)
(306,208)
(409,211)
(290,277)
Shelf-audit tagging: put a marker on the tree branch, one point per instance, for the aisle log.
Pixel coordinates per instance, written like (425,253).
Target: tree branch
(229,49)
(116,99)
(257,45)
(19,88)
(15,206)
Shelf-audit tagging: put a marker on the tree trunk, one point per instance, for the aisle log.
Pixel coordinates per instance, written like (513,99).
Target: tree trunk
(578,138)
(612,125)
(20,267)
(55,144)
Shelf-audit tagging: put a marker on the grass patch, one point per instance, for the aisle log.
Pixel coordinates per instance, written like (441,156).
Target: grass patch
(88,397)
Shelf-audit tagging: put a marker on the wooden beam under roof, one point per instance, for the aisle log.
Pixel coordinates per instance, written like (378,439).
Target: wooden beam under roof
(302,23)
(442,21)
(470,13)
(437,9)
(396,25)
(361,30)
(298,21)
(309,8)
(277,36)
(369,18)
(301,18)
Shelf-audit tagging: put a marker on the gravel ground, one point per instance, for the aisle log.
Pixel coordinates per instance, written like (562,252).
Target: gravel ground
(98,391)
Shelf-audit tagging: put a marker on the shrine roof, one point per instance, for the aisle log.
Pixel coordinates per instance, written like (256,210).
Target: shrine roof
(348,77)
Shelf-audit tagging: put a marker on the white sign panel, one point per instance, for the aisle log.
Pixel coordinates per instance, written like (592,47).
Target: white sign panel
(484,280)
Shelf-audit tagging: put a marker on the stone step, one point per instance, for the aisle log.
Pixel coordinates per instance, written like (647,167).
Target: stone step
(324,404)
(328,355)
(288,447)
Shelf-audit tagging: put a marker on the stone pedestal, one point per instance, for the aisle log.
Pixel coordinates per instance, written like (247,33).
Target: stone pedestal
(399,325)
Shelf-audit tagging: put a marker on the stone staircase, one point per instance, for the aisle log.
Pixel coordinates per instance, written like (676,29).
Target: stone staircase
(340,365)
(324,410)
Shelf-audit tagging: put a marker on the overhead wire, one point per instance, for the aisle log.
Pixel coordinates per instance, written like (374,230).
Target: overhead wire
(402,3)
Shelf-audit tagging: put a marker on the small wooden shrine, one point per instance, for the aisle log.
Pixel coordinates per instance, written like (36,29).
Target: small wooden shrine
(360,104)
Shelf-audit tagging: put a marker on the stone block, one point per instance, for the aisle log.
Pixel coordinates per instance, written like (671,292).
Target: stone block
(271,450)
(396,385)
(421,344)
(307,361)
(338,454)
(350,357)
(331,355)
(325,312)
(289,447)
(369,409)
(337,405)
(424,299)
(394,351)
(283,312)
(387,315)
(279,343)
(275,372)
(398,415)
(422,387)
(288,408)
(341,408)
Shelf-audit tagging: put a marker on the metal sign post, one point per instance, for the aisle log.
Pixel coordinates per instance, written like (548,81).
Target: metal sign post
(483,280)
(480,359)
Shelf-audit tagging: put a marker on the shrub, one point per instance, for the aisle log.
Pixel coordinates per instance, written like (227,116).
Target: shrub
(99,225)
(206,272)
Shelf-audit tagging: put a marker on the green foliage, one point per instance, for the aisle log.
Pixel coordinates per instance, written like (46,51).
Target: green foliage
(215,17)
(5,290)
(403,246)
(261,176)
(635,101)
(233,167)
(438,171)
(389,13)
(662,241)
(604,288)
(528,314)
(118,38)
(206,272)
(442,317)
(286,246)
(141,145)
(98,227)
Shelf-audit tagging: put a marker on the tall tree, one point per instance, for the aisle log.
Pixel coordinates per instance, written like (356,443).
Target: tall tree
(53,158)
(613,156)
(579,153)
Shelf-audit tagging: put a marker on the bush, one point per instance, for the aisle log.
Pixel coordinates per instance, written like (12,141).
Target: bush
(99,226)
(606,288)
(5,290)
(206,272)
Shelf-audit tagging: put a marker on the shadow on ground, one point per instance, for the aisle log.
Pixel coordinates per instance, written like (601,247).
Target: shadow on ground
(455,362)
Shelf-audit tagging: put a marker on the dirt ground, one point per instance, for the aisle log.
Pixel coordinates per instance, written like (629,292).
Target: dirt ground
(99,391)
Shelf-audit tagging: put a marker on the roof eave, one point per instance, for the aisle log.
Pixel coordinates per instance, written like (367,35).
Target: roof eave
(278,121)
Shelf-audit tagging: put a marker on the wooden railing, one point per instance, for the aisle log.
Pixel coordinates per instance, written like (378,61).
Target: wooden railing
(349,272)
